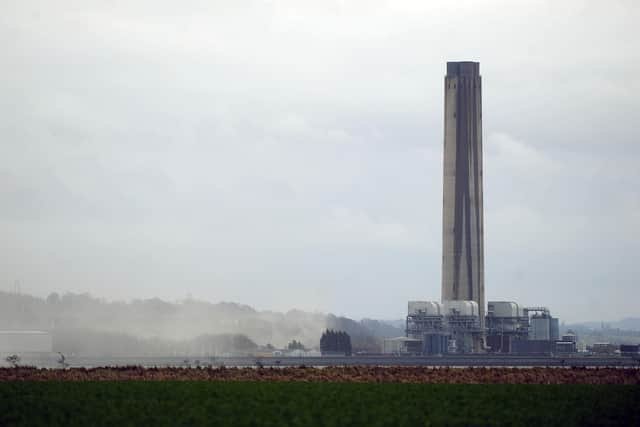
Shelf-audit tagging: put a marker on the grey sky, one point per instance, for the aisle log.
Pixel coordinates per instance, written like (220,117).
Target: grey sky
(289,153)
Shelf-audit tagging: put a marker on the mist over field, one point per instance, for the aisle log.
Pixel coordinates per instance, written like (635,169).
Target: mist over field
(81,324)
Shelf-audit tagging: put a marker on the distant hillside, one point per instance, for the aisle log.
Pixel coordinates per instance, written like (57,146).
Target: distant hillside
(629,324)
(626,331)
(83,323)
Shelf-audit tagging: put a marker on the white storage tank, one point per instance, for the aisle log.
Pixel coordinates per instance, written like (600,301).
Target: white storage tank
(25,342)
(427,308)
(503,309)
(460,308)
(540,328)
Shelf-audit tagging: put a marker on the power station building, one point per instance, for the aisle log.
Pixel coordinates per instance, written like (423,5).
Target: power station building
(459,323)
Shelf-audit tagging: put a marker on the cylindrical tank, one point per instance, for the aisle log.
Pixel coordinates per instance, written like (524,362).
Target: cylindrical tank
(554,328)
(540,328)
(427,308)
(504,308)
(460,307)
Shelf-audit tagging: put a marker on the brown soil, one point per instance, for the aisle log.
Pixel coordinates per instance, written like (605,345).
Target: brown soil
(337,374)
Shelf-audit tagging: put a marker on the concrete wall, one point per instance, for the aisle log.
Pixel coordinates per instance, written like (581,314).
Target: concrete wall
(463,221)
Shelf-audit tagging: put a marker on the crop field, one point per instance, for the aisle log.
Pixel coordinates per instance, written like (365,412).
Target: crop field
(247,403)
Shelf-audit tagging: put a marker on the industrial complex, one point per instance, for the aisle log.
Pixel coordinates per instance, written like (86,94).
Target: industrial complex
(460,322)
(455,330)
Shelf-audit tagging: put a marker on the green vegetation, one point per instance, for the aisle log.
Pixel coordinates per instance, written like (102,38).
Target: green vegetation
(295,345)
(335,342)
(309,404)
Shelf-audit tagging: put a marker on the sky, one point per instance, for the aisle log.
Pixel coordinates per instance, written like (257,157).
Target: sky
(288,154)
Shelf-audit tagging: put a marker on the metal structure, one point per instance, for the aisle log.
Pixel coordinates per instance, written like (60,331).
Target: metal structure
(424,317)
(454,326)
(543,325)
(425,323)
(463,323)
(447,327)
(506,321)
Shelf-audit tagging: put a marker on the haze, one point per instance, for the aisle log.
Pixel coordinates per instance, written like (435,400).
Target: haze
(288,154)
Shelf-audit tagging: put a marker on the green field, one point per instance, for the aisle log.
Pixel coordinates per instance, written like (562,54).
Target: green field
(306,404)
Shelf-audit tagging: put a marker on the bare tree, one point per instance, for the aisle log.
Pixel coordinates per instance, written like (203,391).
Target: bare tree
(14,360)
(62,361)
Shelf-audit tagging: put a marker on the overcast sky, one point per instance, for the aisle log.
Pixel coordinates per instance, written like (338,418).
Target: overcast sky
(288,154)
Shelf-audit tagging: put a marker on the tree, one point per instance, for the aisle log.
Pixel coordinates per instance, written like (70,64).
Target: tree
(335,342)
(295,345)
(53,298)
(14,360)
(62,361)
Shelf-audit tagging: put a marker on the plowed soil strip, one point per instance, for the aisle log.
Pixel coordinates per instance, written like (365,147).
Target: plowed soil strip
(336,374)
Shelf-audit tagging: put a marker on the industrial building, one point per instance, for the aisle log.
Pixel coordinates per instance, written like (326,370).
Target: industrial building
(448,327)
(460,323)
(455,327)
(632,350)
(506,322)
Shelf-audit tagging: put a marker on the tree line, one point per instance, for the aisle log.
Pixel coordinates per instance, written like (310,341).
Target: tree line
(335,342)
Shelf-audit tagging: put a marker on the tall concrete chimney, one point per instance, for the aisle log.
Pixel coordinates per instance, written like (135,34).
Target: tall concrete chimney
(462,214)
